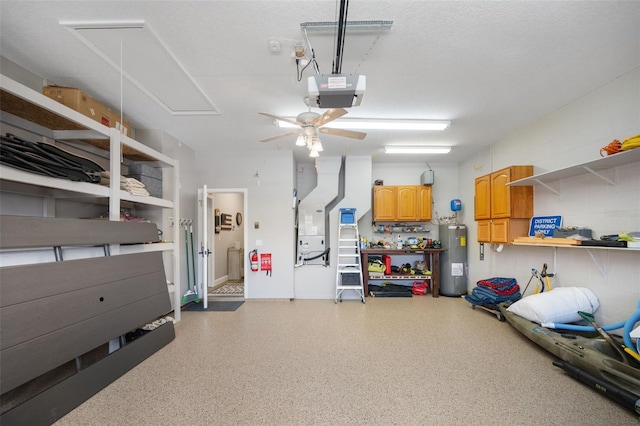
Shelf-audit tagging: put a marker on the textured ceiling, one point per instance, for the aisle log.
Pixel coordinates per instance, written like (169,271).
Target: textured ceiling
(489,67)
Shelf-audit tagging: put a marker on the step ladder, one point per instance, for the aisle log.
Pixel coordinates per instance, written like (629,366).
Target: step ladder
(349,264)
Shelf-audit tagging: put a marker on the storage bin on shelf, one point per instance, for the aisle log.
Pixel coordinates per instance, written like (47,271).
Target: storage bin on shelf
(347,215)
(151,177)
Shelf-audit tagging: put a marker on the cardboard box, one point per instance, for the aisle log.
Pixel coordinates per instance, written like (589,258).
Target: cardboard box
(86,105)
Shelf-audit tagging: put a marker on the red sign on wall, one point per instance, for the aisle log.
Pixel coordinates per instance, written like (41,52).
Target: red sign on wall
(265,261)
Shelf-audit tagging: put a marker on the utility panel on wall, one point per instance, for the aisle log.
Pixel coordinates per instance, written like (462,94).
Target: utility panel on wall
(427,178)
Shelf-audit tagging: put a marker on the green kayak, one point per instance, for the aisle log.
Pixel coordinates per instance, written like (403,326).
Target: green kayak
(592,355)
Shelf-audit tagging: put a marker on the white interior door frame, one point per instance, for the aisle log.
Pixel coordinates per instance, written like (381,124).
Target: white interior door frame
(204,251)
(204,213)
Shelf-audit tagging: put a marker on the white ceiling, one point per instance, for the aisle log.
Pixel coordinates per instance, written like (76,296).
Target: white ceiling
(490,67)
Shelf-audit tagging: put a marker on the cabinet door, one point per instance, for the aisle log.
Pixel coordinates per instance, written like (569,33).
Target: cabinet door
(500,194)
(504,231)
(482,201)
(424,203)
(484,231)
(500,231)
(407,208)
(384,203)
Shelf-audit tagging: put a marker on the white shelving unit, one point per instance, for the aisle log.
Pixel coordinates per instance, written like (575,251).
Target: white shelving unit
(28,109)
(593,167)
(591,250)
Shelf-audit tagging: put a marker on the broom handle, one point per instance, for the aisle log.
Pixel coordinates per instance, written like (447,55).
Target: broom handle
(186,246)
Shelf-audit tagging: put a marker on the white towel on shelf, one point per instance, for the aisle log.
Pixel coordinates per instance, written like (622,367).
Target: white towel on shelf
(135,187)
(105,179)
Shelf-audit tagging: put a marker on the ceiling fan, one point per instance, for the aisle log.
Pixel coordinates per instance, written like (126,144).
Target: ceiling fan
(310,124)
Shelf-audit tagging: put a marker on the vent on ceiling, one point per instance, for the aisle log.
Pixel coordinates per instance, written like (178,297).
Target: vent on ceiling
(133,49)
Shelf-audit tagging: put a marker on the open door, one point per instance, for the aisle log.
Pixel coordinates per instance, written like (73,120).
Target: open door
(204,252)
(209,239)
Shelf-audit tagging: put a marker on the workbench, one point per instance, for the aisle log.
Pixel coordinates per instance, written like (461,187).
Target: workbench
(430,256)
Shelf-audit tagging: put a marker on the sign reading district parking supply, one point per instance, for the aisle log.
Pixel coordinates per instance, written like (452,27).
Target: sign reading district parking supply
(544,224)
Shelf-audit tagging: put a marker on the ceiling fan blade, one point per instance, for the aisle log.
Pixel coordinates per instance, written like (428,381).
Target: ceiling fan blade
(342,132)
(328,116)
(289,133)
(275,117)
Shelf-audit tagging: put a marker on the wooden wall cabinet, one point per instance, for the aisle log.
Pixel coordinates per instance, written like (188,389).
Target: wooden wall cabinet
(503,212)
(407,204)
(404,203)
(384,203)
(425,203)
(482,200)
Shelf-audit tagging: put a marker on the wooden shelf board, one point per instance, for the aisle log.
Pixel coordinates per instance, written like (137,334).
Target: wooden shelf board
(41,116)
(546,241)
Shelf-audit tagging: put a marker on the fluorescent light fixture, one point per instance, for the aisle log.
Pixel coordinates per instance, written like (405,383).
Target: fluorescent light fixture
(417,149)
(377,124)
(350,25)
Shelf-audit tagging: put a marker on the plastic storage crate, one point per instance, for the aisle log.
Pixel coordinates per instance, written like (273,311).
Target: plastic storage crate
(347,215)
(351,278)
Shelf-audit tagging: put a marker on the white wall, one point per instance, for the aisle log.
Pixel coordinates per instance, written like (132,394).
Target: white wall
(269,198)
(306,179)
(318,281)
(571,135)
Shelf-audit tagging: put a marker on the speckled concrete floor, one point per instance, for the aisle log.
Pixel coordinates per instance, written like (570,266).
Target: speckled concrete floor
(392,361)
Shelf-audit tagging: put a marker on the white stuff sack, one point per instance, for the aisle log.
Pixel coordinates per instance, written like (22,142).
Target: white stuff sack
(561,305)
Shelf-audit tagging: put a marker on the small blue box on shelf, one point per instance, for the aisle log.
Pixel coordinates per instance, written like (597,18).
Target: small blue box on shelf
(347,216)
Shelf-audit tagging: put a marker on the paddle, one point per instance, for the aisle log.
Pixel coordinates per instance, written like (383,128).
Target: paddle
(589,317)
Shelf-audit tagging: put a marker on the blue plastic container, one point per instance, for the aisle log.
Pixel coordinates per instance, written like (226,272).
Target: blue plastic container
(347,215)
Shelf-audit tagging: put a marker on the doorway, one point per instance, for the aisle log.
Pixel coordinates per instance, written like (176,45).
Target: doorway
(223,238)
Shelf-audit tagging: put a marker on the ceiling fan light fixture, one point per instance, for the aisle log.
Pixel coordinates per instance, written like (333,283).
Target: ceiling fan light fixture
(379,124)
(309,126)
(417,149)
(314,154)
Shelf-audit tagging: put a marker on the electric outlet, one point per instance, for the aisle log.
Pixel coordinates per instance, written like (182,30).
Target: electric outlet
(274,46)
